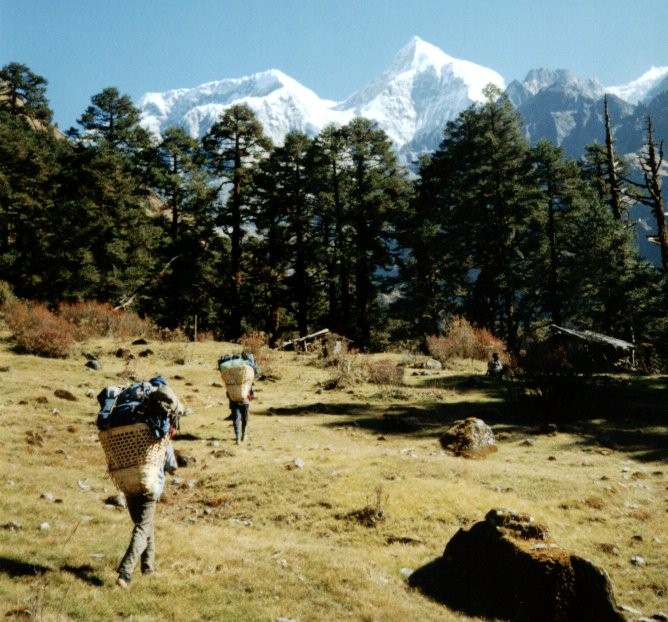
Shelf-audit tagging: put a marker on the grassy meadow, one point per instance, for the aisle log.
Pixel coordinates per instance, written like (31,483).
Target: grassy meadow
(335,498)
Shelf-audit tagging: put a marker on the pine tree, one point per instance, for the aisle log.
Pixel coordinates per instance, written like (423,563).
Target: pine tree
(284,220)
(181,184)
(378,190)
(484,184)
(235,144)
(331,178)
(23,93)
(112,120)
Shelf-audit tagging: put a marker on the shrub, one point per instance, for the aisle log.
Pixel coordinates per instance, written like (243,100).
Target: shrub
(350,371)
(38,331)
(385,373)
(94,319)
(256,344)
(464,341)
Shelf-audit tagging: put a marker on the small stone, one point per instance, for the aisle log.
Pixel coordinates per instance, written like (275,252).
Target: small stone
(12,526)
(637,560)
(94,365)
(44,526)
(47,496)
(406,572)
(184,461)
(83,485)
(527,442)
(63,394)
(298,463)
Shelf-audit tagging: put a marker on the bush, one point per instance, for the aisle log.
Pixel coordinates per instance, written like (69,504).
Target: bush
(464,341)
(385,373)
(38,331)
(256,344)
(94,319)
(350,371)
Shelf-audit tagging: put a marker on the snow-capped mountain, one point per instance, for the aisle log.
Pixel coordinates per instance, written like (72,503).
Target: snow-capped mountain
(419,93)
(642,90)
(280,103)
(413,99)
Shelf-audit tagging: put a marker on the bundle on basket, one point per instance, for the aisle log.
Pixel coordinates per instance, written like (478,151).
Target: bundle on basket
(134,431)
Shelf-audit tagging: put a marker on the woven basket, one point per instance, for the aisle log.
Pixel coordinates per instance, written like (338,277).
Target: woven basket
(134,457)
(238,381)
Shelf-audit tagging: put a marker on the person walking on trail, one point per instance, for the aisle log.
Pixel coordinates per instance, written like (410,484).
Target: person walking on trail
(239,403)
(142,506)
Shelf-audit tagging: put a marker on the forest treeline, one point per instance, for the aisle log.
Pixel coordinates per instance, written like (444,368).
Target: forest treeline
(326,231)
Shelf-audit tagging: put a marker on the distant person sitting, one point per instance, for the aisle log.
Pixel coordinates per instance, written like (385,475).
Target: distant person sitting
(494,367)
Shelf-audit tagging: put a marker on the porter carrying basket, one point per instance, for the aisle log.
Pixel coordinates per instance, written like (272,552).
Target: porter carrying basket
(134,457)
(238,380)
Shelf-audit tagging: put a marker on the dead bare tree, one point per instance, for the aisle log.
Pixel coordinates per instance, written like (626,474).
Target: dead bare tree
(650,192)
(613,178)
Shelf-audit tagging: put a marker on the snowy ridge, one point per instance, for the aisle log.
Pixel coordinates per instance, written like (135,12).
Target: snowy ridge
(644,87)
(423,88)
(412,100)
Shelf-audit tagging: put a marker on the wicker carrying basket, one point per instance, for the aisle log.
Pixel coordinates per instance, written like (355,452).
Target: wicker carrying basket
(134,457)
(238,381)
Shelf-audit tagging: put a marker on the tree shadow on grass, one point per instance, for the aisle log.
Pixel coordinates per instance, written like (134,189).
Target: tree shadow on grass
(320,408)
(17,568)
(618,413)
(84,572)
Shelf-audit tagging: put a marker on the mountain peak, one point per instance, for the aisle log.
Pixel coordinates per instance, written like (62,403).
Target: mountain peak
(418,55)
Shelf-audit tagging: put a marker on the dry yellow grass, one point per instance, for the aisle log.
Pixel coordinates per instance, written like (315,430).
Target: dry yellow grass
(248,533)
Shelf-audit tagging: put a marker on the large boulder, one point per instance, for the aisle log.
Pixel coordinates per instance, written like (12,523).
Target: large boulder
(506,568)
(470,438)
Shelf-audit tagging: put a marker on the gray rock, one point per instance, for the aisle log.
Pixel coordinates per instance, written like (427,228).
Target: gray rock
(470,438)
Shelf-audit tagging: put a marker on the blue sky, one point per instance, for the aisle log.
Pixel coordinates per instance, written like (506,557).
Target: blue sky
(334,47)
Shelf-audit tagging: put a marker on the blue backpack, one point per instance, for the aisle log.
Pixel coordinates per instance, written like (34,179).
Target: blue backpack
(130,405)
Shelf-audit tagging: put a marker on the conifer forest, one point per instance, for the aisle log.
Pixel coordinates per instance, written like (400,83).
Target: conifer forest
(233,234)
